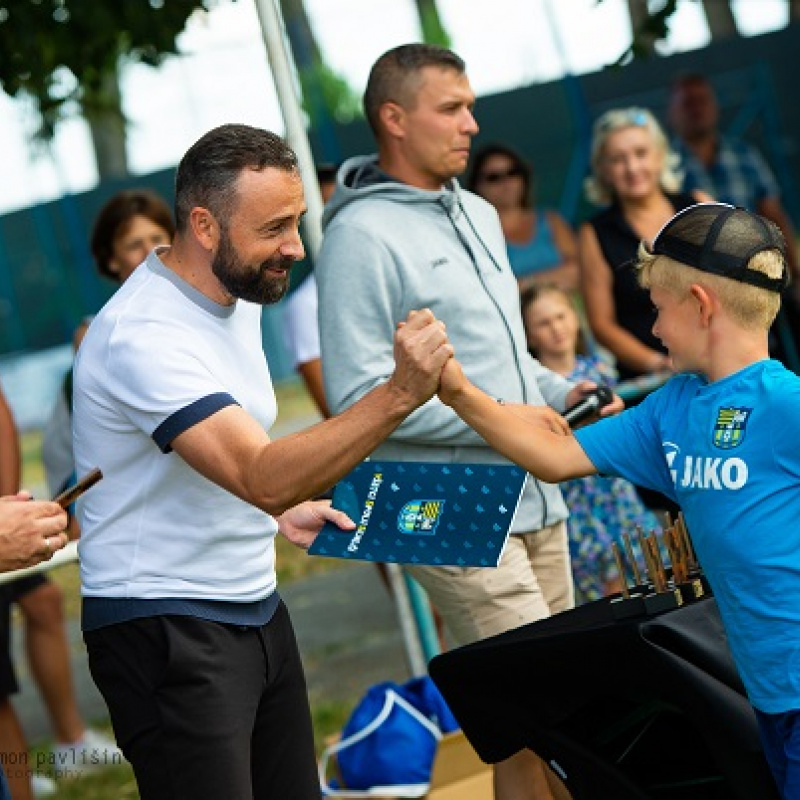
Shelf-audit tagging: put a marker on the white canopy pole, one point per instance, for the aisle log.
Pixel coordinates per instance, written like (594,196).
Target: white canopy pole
(417,663)
(283,76)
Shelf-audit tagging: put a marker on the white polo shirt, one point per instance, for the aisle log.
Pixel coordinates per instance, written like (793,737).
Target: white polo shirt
(159,358)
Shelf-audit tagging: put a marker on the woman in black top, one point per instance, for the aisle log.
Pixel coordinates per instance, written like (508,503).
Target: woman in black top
(633,172)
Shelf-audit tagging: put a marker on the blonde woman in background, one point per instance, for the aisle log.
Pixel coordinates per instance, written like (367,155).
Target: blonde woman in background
(633,173)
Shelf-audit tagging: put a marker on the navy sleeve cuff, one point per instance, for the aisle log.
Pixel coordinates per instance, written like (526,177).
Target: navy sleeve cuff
(187,417)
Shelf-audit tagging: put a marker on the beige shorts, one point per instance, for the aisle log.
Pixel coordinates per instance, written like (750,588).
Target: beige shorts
(532,581)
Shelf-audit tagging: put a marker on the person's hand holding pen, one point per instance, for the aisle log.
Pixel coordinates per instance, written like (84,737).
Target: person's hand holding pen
(30,530)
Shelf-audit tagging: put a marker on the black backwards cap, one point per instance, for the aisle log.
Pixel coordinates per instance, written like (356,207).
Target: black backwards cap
(721,239)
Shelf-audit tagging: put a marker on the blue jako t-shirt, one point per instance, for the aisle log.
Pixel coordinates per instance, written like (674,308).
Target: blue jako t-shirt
(729,454)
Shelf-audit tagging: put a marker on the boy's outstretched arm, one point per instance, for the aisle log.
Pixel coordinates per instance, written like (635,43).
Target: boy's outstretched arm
(535,437)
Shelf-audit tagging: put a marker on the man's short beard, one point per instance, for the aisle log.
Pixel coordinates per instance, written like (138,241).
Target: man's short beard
(253,284)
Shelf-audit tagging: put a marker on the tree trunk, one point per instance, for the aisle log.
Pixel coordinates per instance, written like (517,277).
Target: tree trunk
(430,22)
(644,40)
(721,22)
(304,44)
(102,110)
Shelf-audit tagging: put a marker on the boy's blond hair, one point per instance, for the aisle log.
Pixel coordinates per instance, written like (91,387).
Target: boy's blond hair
(751,307)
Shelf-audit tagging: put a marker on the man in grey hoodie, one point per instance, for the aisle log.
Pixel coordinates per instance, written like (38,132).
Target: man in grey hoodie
(399,234)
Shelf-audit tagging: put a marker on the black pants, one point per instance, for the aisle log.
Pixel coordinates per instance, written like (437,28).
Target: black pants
(205,711)
(11,593)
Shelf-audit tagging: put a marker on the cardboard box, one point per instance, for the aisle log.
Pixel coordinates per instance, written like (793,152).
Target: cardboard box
(457,773)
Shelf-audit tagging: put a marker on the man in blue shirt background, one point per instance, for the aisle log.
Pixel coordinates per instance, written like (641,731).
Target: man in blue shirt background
(729,169)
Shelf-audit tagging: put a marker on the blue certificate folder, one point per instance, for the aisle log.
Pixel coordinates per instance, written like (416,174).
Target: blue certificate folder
(424,513)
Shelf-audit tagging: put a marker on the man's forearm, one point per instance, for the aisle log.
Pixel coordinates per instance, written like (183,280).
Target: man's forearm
(311,461)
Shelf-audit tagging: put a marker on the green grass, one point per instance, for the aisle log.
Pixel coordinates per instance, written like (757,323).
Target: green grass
(112,783)
(117,782)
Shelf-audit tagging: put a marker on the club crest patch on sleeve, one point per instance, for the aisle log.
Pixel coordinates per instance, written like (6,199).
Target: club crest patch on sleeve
(730,427)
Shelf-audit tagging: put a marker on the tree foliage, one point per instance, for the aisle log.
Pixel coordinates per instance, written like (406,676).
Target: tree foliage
(649,28)
(430,21)
(59,51)
(332,90)
(326,93)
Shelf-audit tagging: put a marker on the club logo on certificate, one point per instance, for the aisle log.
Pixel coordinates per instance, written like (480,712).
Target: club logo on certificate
(420,517)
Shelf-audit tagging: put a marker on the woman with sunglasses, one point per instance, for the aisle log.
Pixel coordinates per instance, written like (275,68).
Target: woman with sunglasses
(633,174)
(540,243)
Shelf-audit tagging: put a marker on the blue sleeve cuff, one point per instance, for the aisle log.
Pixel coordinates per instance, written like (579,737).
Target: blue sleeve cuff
(187,417)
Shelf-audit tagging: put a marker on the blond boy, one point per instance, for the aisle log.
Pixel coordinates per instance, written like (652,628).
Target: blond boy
(721,438)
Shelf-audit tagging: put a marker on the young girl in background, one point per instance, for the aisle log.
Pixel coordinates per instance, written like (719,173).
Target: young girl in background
(601,509)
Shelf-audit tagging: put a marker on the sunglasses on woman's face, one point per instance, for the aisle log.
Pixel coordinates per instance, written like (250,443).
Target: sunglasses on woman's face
(496,177)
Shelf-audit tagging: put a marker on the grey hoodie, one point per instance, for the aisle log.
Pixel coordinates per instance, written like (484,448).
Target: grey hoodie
(389,248)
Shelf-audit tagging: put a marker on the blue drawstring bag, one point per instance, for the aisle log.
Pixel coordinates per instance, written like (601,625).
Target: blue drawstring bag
(388,745)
